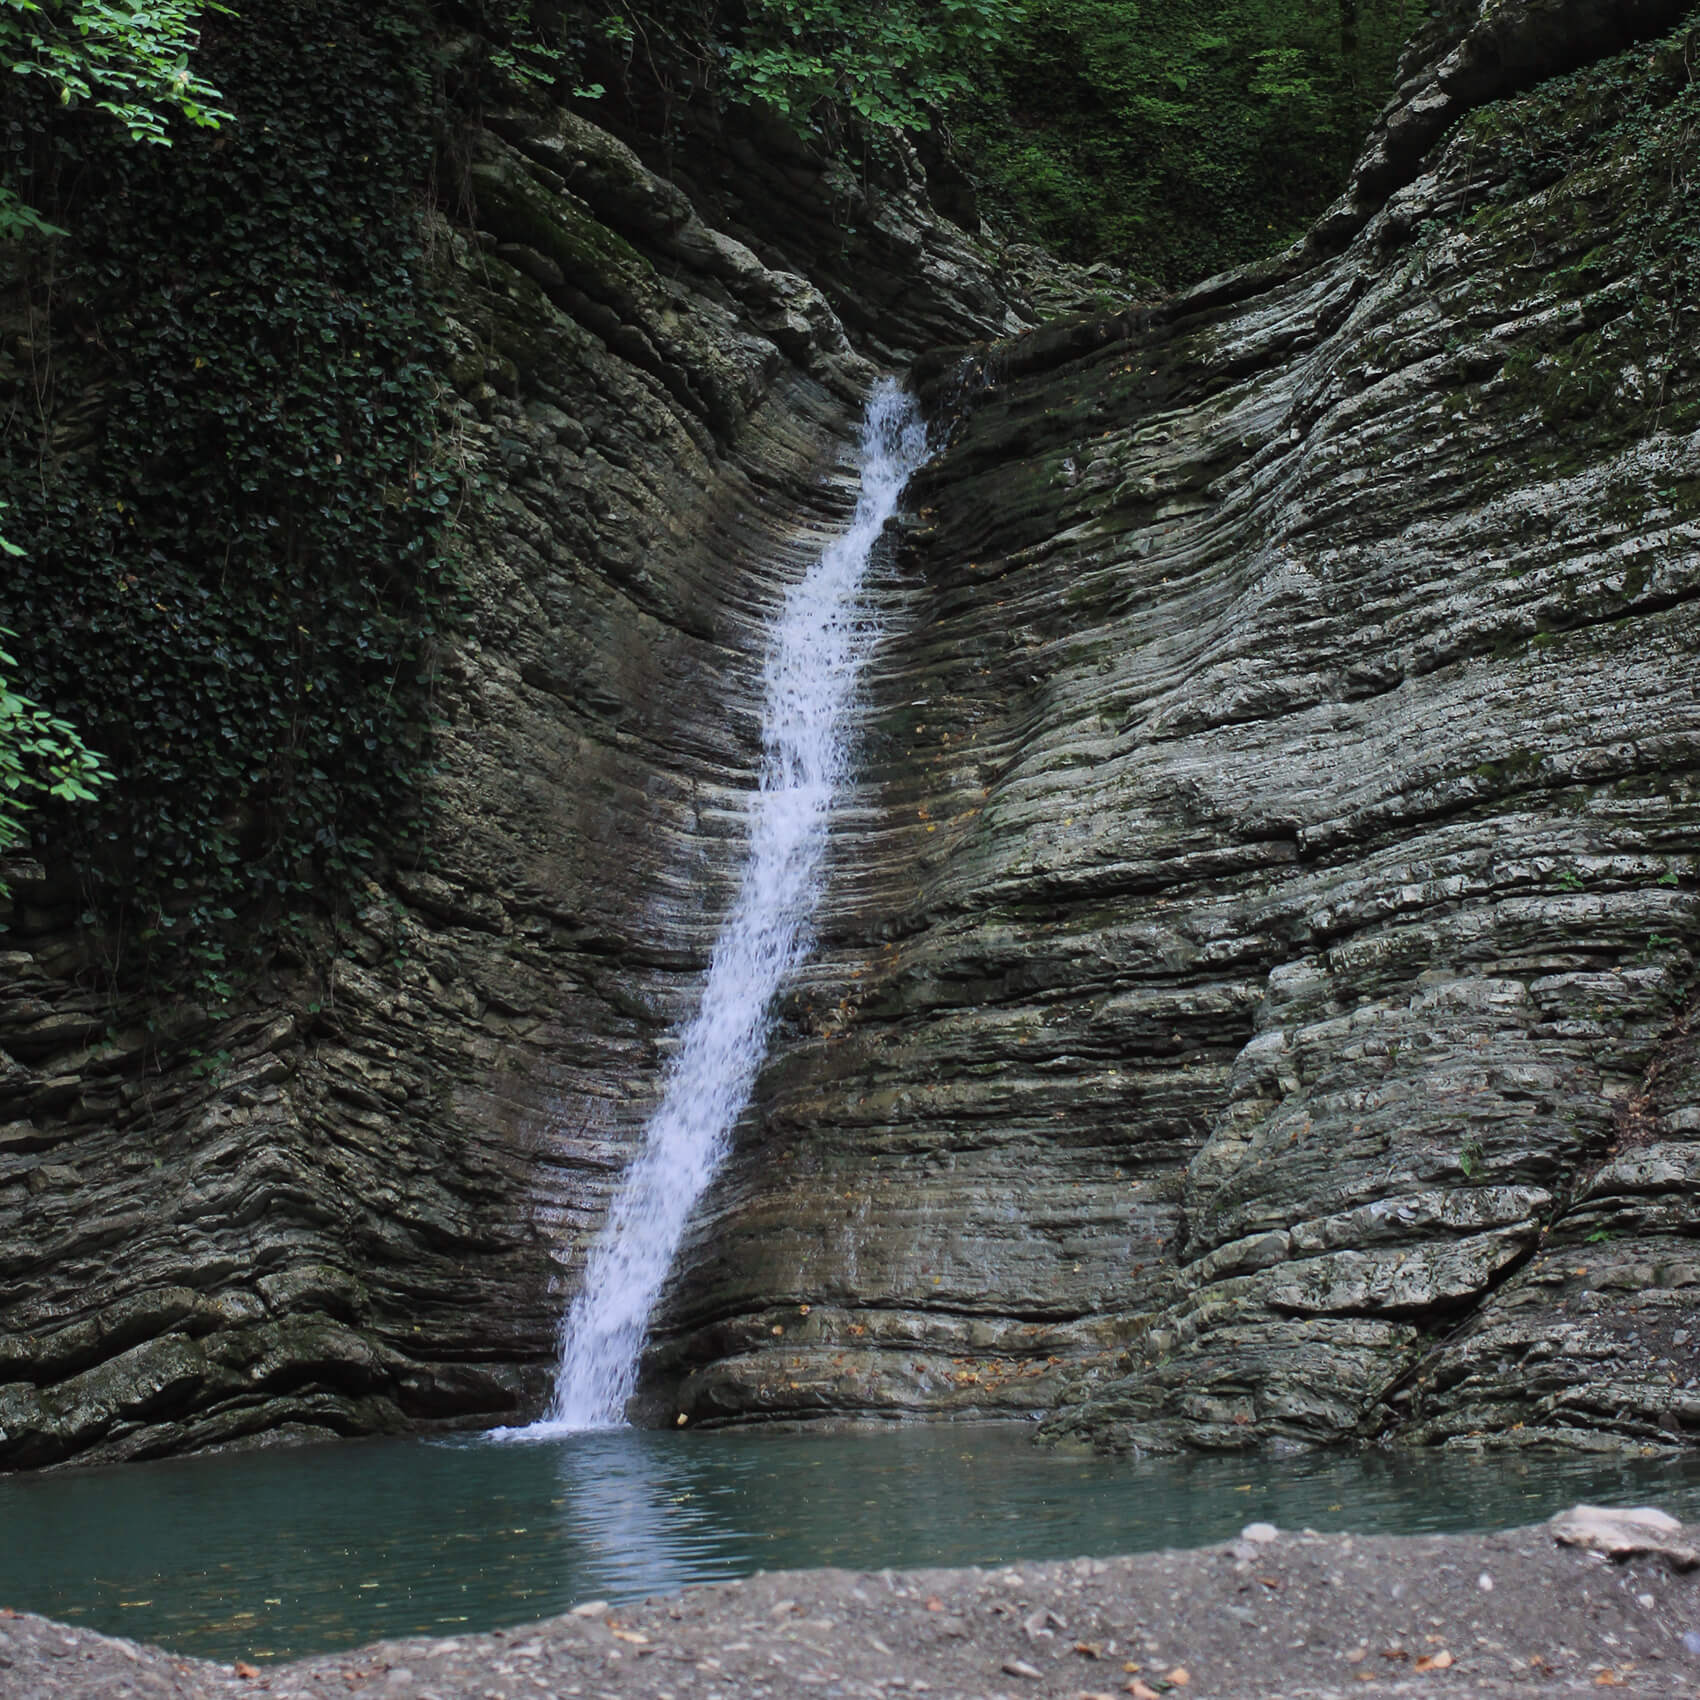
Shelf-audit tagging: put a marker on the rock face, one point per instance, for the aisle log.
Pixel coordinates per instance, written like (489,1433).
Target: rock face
(358,1206)
(1258,991)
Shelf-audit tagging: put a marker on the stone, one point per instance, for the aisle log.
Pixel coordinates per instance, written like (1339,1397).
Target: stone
(1253,1004)
(1625,1533)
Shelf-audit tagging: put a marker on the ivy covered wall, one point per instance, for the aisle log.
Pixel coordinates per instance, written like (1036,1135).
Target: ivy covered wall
(229,467)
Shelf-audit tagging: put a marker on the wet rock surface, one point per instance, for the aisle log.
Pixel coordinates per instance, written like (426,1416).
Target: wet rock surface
(1313,1617)
(1256,1003)
(1256,996)
(359,1206)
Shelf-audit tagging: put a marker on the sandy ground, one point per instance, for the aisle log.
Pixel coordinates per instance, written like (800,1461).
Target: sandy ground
(1289,1615)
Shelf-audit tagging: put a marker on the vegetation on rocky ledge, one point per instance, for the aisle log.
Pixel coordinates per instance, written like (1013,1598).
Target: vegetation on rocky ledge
(229,470)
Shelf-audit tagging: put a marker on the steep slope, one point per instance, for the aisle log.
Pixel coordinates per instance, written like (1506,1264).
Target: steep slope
(1255,996)
(360,1203)
(1260,979)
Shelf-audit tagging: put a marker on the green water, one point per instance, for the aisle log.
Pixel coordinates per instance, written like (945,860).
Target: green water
(266,1554)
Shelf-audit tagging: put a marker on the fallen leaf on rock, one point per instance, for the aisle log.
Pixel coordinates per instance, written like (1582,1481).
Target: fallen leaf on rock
(1140,1692)
(1608,1679)
(1180,1676)
(632,1636)
(1020,1667)
(1434,1661)
(1089,1649)
(246,1671)
(1394,1653)
(1132,1669)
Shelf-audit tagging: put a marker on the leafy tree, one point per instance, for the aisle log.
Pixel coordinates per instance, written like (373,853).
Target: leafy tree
(889,62)
(129,58)
(823,65)
(40,756)
(1180,139)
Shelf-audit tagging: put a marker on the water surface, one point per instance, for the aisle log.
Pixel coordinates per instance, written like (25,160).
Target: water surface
(266,1554)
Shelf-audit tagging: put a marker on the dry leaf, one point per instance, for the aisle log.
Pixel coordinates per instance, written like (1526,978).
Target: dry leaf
(1132,1669)
(1139,1691)
(1180,1676)
(246,1671)
(1609,1679)
(632,1636)
(1089,1649)
(1433,1661)
(1395,1653)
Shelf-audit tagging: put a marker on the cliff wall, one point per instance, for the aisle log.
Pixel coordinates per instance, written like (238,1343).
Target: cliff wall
(357,1201)
(1255,996)
(1258,996)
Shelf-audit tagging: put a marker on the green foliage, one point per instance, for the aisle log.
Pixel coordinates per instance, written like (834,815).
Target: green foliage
(828,67)
(40,755)
(235,573)
(1589,186)
(129,60)
(881,62)
(1176,140)
(531,45)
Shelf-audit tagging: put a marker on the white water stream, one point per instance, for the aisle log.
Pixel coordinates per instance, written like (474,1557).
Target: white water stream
(820,640)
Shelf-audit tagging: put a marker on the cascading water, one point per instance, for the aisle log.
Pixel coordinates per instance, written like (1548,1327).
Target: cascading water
(820,641)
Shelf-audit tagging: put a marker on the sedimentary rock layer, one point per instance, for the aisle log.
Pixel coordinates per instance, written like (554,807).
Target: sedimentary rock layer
(1260,976)
(1255,997)
(362,1203)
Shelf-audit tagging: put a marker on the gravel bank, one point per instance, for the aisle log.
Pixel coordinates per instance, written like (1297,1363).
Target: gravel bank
(1298,1616)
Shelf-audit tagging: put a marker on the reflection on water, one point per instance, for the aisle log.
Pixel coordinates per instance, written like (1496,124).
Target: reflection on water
(636,1521)
(272,1553)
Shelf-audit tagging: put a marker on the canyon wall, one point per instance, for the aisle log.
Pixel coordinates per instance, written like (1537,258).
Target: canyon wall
(359,1203)
(1257,997)
(1255,987)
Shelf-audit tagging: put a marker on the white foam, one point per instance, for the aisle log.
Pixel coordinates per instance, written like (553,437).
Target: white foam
(820,641)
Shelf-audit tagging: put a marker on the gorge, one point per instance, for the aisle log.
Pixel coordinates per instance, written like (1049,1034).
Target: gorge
(1253,996)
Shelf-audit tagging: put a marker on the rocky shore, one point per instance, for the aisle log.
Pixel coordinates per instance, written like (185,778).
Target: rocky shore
(1589,1601)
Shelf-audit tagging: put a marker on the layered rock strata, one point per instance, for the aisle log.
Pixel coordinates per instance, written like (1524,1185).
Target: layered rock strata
(1257,996)
(1256,992)
(361,1204)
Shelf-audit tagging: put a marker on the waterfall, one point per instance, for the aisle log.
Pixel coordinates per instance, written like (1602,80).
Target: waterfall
(820,640)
